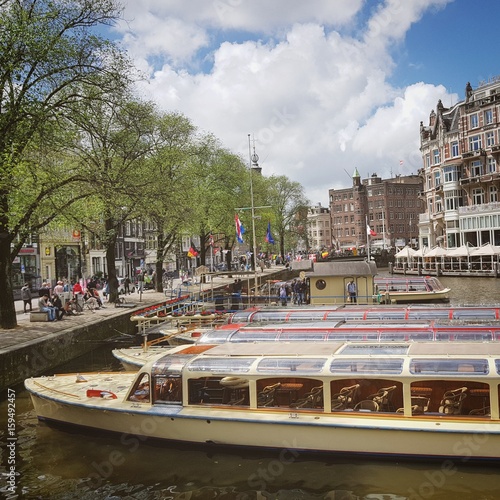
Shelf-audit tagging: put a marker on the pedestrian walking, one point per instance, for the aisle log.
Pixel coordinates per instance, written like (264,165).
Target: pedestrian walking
(26,297)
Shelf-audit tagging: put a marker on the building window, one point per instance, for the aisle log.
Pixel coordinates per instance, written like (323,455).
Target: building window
(454,149)
(490,139)
(474,121)
(450,174)
(452,199)
(437,178)
(477,196)
(475,143)
(488,117)
(492,165)
(435,155)
(493,194)
(427,160)
(476,168)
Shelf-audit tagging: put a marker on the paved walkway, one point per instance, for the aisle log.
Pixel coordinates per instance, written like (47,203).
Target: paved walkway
(26,331)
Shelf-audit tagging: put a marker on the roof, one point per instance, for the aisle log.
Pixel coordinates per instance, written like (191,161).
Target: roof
(344,268)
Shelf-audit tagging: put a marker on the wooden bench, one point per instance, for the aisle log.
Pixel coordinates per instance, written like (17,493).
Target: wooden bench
(39,316)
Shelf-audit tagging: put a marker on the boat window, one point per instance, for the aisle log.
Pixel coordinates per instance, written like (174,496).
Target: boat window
(474,313)
(254,336)
(497,365)
(370,349)
(308,315)
(386,314)
(348,314)
(229,365)
(351,365)
(297,393)
(417,336)
(172,363)
(295,336)
(216,336)
(449,366)
(167,390)
(302,365)
(428,313)
(141,390)
(270,317)
(241,316)
(353,336)
(232,391)
(467,335)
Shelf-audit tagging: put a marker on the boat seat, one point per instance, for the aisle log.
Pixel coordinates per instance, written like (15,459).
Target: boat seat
(419,405)
(452,401)
(267,396)
(486,411)
(345,398)
(312,399)
(383,397)
(367,405)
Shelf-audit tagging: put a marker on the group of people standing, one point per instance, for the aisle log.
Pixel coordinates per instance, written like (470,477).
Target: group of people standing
(296,290)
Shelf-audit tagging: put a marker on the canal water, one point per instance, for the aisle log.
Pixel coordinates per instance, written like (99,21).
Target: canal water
(56,464)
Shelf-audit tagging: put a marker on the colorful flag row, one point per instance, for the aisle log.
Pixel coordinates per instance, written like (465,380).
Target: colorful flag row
(240,230)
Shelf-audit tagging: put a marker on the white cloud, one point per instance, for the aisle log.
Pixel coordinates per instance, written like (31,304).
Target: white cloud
(309,83)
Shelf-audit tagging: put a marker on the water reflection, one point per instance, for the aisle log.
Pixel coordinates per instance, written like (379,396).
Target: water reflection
(59,464)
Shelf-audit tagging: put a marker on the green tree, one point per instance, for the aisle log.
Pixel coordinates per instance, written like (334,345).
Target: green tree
(166,201)
(114,142)
(289,207)
(219,183)
(47,50)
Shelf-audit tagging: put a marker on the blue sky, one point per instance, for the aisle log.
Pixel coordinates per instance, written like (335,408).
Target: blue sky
(324,86)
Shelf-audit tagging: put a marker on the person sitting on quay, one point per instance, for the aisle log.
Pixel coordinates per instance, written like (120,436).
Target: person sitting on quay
(45,306)
(89,299)
(44,289)
(68,310)
(96,296)
(57,304)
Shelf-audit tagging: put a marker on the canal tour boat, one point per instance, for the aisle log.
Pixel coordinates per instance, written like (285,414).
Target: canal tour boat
(409,400)
(410,289)
(133,358)
(261,314)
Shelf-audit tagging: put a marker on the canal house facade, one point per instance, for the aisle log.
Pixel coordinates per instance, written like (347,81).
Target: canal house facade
(460,151)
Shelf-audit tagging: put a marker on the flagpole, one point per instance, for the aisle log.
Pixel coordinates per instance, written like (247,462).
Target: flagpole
(253,218)
(383,229)
(367,239)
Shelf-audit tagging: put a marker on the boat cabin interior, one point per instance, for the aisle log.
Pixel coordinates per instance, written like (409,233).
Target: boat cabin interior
(432,380)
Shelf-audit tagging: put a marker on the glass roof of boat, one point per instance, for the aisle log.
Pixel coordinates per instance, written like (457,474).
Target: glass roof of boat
(454,366)
(374,349)
(295,365)
(367,365)
(170,363)
(221,365)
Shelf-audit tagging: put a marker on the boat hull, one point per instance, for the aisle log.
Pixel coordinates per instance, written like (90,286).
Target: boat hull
(425,437)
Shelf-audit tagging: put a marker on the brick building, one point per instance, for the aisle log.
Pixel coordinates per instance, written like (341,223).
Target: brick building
(390,206)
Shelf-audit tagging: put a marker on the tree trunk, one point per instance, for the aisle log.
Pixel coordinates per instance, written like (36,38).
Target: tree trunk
(8,319)
(111,260)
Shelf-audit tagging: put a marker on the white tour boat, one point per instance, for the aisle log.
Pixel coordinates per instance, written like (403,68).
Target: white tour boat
(404,399)
(411,289)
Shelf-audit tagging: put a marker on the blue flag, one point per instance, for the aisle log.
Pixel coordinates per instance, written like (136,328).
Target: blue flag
(269,236)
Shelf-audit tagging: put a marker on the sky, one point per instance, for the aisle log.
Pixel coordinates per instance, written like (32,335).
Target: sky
(323,87)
